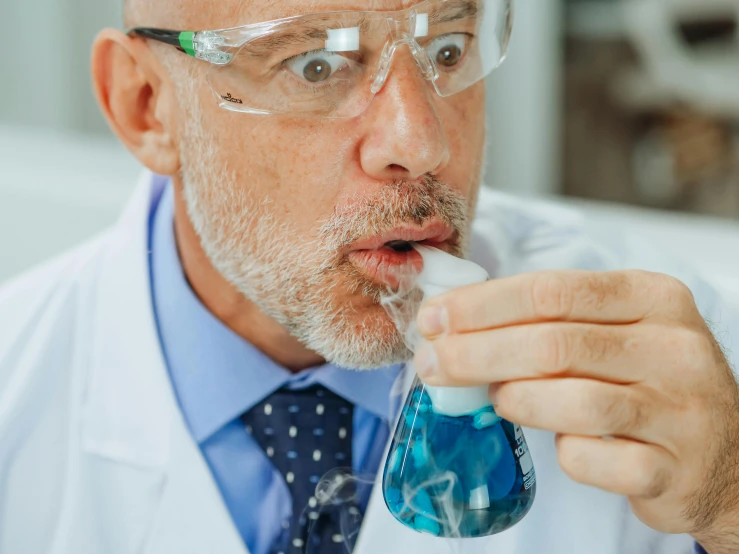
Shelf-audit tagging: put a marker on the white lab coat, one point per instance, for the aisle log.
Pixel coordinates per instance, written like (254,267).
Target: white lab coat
(95,457)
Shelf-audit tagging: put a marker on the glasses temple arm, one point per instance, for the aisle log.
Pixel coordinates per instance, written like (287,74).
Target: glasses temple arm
(182,40)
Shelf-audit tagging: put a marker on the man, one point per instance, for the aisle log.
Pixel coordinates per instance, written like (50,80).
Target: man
(184,382)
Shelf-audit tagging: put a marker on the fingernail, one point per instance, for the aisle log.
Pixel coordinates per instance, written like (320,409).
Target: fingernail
(426,361)
(433,321)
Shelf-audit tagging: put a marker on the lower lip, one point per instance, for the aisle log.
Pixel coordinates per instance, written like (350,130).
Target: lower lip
(386,265)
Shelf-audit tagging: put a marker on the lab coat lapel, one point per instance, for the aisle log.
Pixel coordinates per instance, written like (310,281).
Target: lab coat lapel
(192,518)
(151,468)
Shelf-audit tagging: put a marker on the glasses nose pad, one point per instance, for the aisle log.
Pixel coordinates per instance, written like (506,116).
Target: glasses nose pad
(424,62)
(383,69)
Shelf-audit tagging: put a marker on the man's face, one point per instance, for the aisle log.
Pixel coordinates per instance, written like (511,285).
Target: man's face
(295,212)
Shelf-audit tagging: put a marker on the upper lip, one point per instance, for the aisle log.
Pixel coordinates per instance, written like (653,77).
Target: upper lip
(433,232)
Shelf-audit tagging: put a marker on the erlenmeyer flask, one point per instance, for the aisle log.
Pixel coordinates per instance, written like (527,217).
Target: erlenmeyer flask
(455,468)
(457,477)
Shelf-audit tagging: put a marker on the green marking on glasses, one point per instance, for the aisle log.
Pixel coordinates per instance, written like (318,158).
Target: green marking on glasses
(186,41)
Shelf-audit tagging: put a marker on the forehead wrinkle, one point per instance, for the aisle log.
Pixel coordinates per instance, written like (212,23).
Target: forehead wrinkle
(209,14)
(267,10)
(268,44)
(179,14)
(456,10)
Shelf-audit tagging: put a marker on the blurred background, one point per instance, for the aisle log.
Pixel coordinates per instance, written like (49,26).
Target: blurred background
(628,109)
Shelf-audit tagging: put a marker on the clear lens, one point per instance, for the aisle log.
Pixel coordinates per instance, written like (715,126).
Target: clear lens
(318,65)
(468,49)
(325,65)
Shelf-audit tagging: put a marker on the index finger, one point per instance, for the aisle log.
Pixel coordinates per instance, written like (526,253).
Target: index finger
(617,297)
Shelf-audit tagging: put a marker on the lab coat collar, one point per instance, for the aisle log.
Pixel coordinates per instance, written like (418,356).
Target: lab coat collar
(130,405)
(131,417)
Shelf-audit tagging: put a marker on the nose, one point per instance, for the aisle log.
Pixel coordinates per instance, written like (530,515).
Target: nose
(405,136)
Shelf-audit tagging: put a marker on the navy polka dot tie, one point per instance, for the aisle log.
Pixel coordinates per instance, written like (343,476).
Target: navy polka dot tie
(307,434)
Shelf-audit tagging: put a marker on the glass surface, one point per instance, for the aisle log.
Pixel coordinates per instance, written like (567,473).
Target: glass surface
(333,64)
(457,477)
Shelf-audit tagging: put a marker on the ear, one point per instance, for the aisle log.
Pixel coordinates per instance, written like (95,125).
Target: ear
(137,98)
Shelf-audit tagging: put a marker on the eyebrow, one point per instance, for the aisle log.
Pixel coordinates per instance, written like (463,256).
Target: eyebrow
(264,46)
(454,11)
(268,44)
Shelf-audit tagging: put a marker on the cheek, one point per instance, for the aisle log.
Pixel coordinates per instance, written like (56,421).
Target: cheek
(297,165)
(464,123)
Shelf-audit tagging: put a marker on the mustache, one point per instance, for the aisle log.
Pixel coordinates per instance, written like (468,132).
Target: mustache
(400,201)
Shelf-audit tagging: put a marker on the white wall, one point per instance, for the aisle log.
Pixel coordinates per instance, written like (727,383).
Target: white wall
(524,103)
(56,190)
(45,68)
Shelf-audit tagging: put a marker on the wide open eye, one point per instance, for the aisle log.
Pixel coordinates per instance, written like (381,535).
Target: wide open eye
(448,50)
(318,66)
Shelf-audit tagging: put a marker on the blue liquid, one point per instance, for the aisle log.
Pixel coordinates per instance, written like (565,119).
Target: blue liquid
(457,477)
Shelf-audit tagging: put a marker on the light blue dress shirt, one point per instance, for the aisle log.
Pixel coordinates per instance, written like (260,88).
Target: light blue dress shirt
(217,376)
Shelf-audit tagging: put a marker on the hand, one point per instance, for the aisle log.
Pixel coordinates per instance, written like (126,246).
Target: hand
(623,368)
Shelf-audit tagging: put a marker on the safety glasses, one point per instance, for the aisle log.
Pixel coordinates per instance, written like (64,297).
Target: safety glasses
(331,65)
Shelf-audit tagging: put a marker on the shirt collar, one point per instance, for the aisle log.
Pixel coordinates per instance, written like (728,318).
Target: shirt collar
(216,374)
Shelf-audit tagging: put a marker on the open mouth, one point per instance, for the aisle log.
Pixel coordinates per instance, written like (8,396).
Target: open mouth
(389,264)
(390,258)
(399,245)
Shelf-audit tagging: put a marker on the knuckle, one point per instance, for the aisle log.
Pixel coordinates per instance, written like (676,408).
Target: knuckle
(694,347)
(671,289)
(551,298)
(648,481)
(680,290)
(551,348)
(601,290)
(620,414)
(598,345)
(638,276)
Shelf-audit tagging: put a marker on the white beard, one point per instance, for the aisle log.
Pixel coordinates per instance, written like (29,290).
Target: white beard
(295,282)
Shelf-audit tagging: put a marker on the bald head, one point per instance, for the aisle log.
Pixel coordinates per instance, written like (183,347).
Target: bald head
(170,14)
(129,18)
(212,14)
